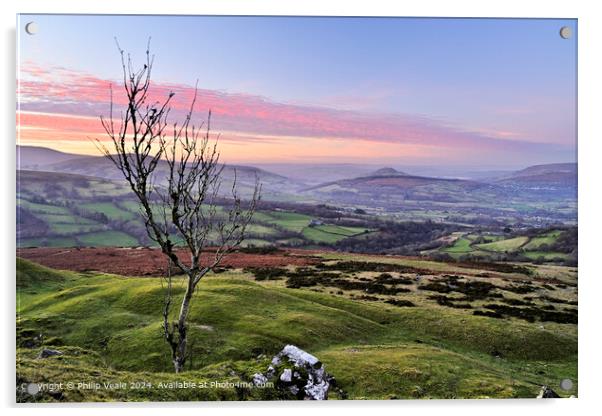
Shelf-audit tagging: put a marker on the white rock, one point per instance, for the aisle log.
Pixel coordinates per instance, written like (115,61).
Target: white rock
(298,356)
(317,391)
(317,383)
(259,379)
(287,375)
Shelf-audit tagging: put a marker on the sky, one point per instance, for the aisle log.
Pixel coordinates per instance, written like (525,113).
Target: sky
(391,91)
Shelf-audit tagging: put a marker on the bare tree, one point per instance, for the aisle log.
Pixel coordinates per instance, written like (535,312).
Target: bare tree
(175,173)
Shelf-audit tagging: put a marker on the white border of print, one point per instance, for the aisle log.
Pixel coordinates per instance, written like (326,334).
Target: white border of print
(590,93)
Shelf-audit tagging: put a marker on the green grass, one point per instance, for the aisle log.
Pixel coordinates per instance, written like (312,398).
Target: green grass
(344,231)
(461,245)
(288,220)
(318,235)
(112,211)
(108,239)
(330,233)
(63,222)
(511,244)
(74,228)
(48,242)
(546,255)
(416,371)
(261,230)
(81,365)
(42,208)
(131,206)
(536,242)
(496,244)
(31,275)
(110,328)
(65,219)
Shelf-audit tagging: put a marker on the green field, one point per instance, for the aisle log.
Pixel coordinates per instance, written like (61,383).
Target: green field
(112,211)
(461,245)
(108,239)
(62,210)
(320,236)
(260,230)
(545,255)
(265,229)
(42,208)
(108,328)
(131,206)
(486,245)
(330,233)
(341,230)
(48,242)
(510,244)
(535,242)
(287,220)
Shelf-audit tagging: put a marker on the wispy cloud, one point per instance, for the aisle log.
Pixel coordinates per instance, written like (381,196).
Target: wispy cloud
(66,104)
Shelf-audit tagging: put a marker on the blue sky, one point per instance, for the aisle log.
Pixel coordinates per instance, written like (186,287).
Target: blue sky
(504,79)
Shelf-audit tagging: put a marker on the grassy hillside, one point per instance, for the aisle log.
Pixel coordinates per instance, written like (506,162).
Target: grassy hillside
(108,328)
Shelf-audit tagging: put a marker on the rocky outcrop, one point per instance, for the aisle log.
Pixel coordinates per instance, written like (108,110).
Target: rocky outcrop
(298,374)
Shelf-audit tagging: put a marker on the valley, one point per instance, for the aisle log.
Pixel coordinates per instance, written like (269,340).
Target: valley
(74,201)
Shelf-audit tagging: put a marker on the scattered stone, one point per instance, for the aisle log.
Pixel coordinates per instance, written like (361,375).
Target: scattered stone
(34,342)
(287,375)
(547,393)
(45,353)
(259,379)
(317,391)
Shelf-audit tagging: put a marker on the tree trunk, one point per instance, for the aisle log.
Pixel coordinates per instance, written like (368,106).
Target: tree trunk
(179,355)
(178,365)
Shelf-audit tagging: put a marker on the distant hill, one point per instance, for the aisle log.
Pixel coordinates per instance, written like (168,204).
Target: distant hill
(317,173)
(390,189)
(31,157)
(393,179)
(554,174)
(387,172)
(103,168)
(41,159)
(569,168)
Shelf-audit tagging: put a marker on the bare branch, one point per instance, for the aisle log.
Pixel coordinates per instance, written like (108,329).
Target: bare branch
(174,170)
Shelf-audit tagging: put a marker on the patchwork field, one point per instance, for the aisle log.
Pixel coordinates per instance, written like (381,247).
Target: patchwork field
(67,210)
(385,327)
(77,211)
(542,246)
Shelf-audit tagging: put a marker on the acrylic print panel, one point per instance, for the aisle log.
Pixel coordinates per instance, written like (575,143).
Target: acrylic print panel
(287,208)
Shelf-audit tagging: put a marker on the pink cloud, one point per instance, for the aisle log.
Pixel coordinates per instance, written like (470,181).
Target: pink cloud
(71,93)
